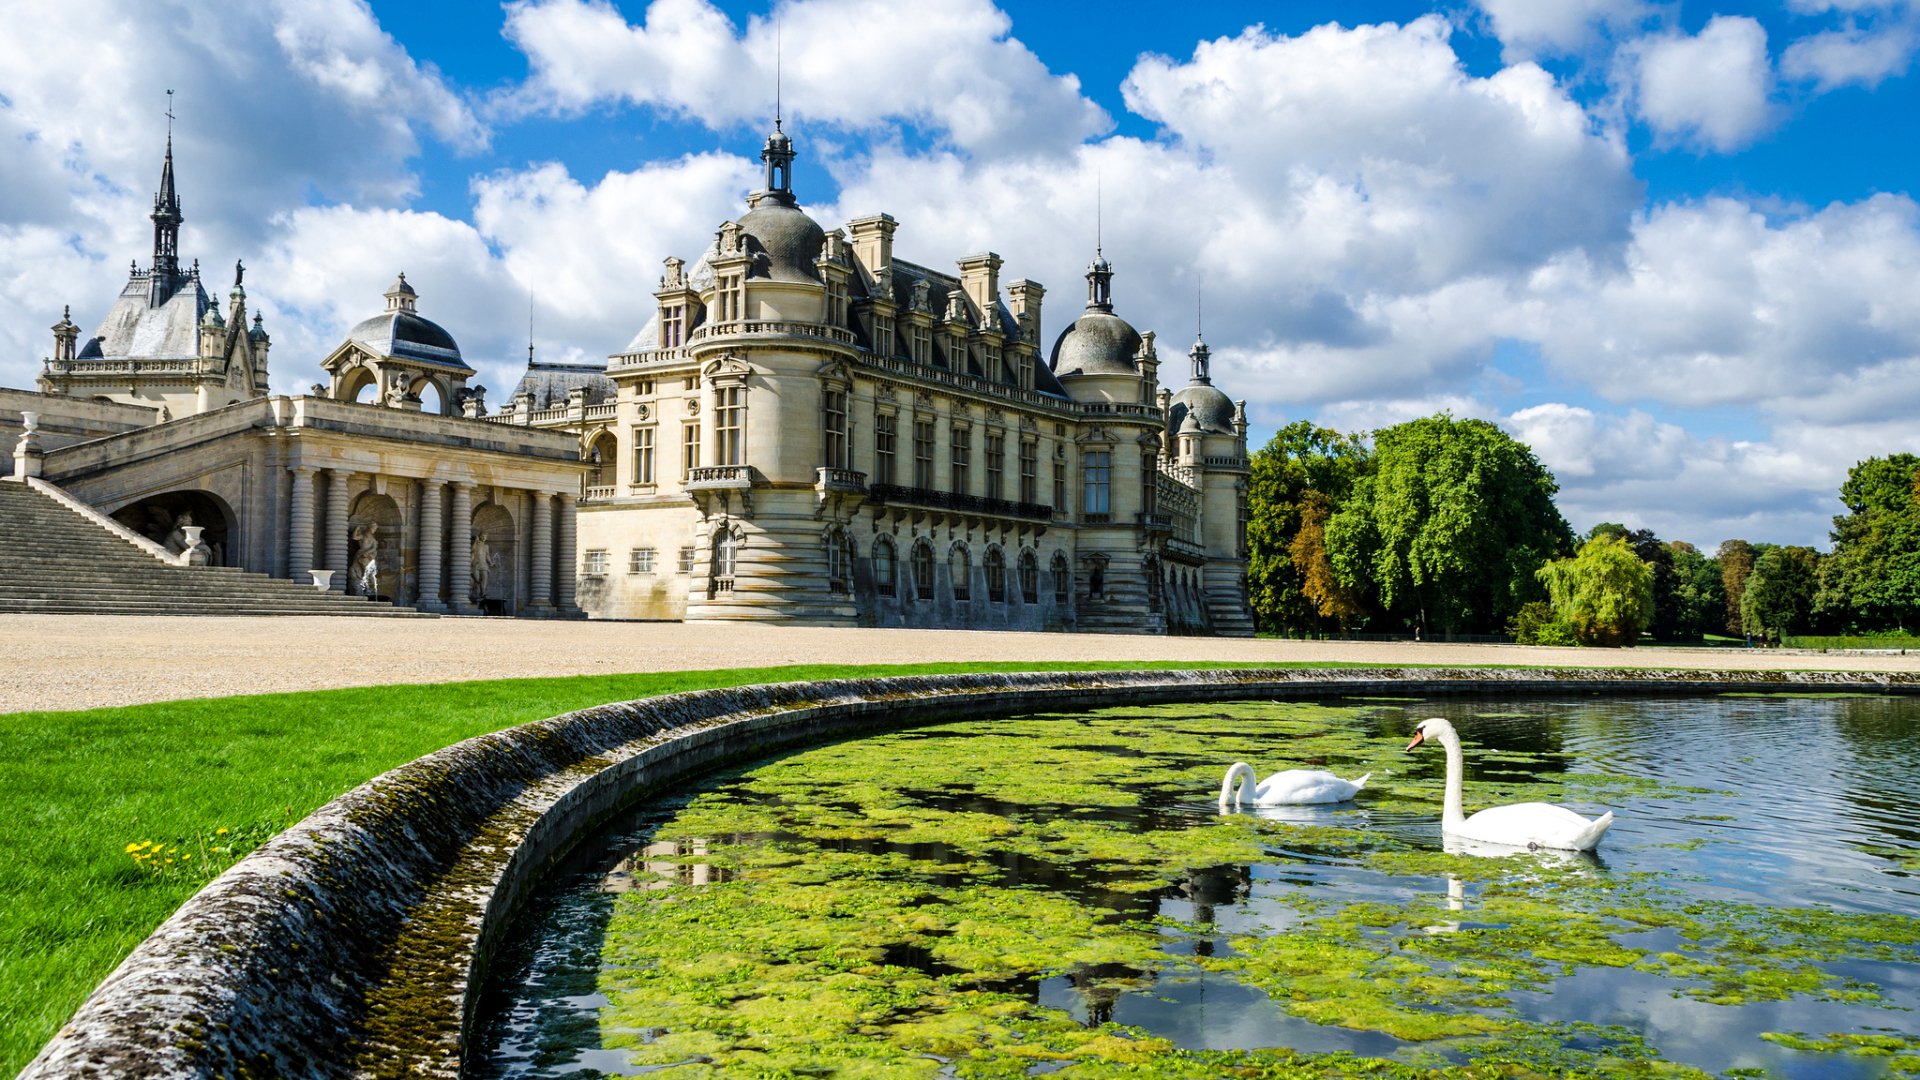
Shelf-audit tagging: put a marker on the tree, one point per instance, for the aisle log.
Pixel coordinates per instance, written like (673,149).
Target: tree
(1299,459)
(1736,562)
(1448,526)
(1605,592)
(1872,579)
(1320,585)
(1779,592)
(1699,594)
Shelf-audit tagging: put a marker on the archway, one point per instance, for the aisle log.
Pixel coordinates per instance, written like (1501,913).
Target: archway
(161,519)
(433,397)
(602,456)
(373,529)
(360,383)
(493,570)
(960,569)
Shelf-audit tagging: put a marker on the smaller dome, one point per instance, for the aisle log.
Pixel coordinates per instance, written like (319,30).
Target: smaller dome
(550,383)
(401,288)
(1205,405)
(1098,343)
(789,239)
(409,336)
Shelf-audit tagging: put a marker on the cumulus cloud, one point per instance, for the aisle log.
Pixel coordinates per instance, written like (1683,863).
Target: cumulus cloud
(1529,28)
(1852,55)
(950,66)
(1709,89)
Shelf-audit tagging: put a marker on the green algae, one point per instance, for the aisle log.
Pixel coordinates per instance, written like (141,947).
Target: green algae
(888,907)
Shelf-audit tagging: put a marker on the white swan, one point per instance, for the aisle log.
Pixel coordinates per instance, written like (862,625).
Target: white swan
(1528,825)
(1294,787)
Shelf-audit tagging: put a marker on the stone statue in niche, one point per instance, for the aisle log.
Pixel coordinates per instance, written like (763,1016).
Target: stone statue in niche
(366,558)
(480,565)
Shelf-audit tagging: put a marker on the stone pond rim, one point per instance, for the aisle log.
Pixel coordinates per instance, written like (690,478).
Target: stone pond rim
(349,944)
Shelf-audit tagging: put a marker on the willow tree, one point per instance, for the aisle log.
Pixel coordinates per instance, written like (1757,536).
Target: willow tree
(1448,525)
(1605,592)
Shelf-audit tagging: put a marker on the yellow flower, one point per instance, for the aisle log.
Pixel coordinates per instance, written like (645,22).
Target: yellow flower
(221,831)
(133,847)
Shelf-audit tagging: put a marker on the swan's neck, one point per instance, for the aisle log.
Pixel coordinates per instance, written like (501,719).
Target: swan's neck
(1451,813)
(1240,771)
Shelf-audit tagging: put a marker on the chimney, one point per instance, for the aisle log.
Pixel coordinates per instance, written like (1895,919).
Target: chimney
(872,241)
(1024,297)
(980,277)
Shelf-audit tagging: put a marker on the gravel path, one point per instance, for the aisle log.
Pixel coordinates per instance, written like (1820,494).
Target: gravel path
(82,661)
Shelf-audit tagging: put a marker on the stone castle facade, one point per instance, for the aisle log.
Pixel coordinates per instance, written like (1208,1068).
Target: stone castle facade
(809,429)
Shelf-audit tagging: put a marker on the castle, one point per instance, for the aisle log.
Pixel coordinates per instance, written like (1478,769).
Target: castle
(809,429)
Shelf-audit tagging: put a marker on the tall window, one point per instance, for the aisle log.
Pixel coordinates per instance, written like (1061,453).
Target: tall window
(1029,471)
(920,342)
(962,457)
(835,404)
(730,299)
(726,553)
(689,448)
(923,453)
(1097,481)
(729,424)
(923,571)
(996,464)
(884,427)
(1062,577)
(1029,577)
(839,562)
(960,570)
(643,455)
(996,575)
(673,321)
(883,569)
(1060,479)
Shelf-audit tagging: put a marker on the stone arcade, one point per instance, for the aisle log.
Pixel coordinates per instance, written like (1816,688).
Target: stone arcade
(809,429)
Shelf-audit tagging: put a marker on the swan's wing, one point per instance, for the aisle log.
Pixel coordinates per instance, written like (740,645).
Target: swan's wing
(1302,786)
(1535,823)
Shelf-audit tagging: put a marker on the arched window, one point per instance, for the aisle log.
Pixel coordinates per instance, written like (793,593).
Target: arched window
(883,568)
(839,561)
(1062,578)
(1029,577)
(1097,578)
(996,564)
(923,571)
(960,571)
(726,552)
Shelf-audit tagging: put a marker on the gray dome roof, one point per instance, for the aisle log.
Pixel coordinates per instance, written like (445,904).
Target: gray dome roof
(1203,402)
(789,239)
(549,384)
(1098,343)
(407,335)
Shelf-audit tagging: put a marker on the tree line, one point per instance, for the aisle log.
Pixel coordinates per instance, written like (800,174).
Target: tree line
(1443,526)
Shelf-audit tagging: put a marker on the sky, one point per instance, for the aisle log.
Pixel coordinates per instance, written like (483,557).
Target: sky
(1673,247)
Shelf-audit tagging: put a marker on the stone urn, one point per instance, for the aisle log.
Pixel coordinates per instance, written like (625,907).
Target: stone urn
(322,579)
(196,553)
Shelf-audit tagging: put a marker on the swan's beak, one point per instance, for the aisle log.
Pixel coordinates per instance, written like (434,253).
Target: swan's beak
(1419,736)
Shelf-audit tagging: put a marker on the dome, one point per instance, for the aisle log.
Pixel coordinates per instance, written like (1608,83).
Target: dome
(789,239)
(1204,404)
(550,383)
(1098,343)
(407,335)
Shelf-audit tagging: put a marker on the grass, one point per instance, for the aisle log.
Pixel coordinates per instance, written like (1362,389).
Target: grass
(79,790)
(1852,641)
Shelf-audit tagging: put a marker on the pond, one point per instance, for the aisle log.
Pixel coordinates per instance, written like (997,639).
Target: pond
(1061,895)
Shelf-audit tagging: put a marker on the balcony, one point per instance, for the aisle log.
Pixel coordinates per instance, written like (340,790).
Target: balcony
(842,489)
(883,494)
(720,478)
(1161,523)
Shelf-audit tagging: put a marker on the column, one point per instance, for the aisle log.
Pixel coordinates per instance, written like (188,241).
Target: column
(540,577)
(460,549)
(569,558)
(300,525)
(335,551)
(432,535)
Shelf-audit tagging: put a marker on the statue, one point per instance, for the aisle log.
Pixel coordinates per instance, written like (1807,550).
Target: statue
(481,557)
(366,558)
(176,541)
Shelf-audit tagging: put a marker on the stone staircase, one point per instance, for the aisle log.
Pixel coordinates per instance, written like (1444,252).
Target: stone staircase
(55,561)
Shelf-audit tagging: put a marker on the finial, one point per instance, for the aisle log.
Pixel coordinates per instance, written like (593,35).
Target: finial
(529,330)
(776,72)
(66,313)
(1199,322)
(169,119)
(1099,198)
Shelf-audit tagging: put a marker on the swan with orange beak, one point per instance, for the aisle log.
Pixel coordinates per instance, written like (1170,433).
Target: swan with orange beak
(1520,825)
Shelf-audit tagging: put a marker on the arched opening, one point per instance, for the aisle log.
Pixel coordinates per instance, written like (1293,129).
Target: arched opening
(726,558)
(1029,577)
(923,571)
(884,577)
(373,565)
(996,567)
(165,518)
(960,570)
(1153,583)
(839,561)
(601,456)
(360,383)
(492,569)
(1096,577)
(1062,578)
(433,399)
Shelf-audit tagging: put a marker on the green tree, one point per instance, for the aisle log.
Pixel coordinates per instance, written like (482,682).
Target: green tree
(1736,562)
(1324,592)
(1605,592)
(1699,594)
(1300,459)
(1872,579)
(1779,592)
(1448,526)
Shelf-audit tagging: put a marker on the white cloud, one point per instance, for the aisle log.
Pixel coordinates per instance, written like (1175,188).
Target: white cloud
(1557,27)
(1851,56)
(948,65)
(1710,88)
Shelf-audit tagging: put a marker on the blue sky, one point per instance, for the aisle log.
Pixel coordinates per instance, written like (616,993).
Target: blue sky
(1673,246)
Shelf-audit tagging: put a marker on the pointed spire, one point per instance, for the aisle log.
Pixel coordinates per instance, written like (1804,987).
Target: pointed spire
(778,153)
(166,217)
(1100,271)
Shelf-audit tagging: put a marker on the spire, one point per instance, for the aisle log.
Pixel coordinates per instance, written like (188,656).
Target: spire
(401,297)
(778,153)
(1100,271)
(1202,360)
(166,218)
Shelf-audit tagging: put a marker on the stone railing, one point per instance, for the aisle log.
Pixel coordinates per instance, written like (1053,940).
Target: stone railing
(1224,461)
(967,504)
(830,479)
(600,412)
(973,384)
(359,940)
(720,476)
(646,357)
(709,331)
(123,367)
(596,492)
(1118,408)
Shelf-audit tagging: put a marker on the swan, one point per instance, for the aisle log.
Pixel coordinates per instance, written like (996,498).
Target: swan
(1528,825)
(1293,787)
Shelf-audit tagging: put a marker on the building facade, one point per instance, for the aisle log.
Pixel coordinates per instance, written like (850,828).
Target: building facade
(812,429)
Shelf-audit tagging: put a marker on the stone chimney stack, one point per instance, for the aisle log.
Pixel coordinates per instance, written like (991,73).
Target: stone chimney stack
(1024,298)
(872,241)
(980,277)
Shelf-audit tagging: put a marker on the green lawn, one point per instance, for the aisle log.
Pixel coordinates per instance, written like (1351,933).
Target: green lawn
(77,788)
(1889,640)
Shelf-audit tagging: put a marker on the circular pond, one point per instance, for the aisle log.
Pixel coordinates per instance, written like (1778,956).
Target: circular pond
(1061,895)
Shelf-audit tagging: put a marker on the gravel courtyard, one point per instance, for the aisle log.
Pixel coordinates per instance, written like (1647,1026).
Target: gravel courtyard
(77,661)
